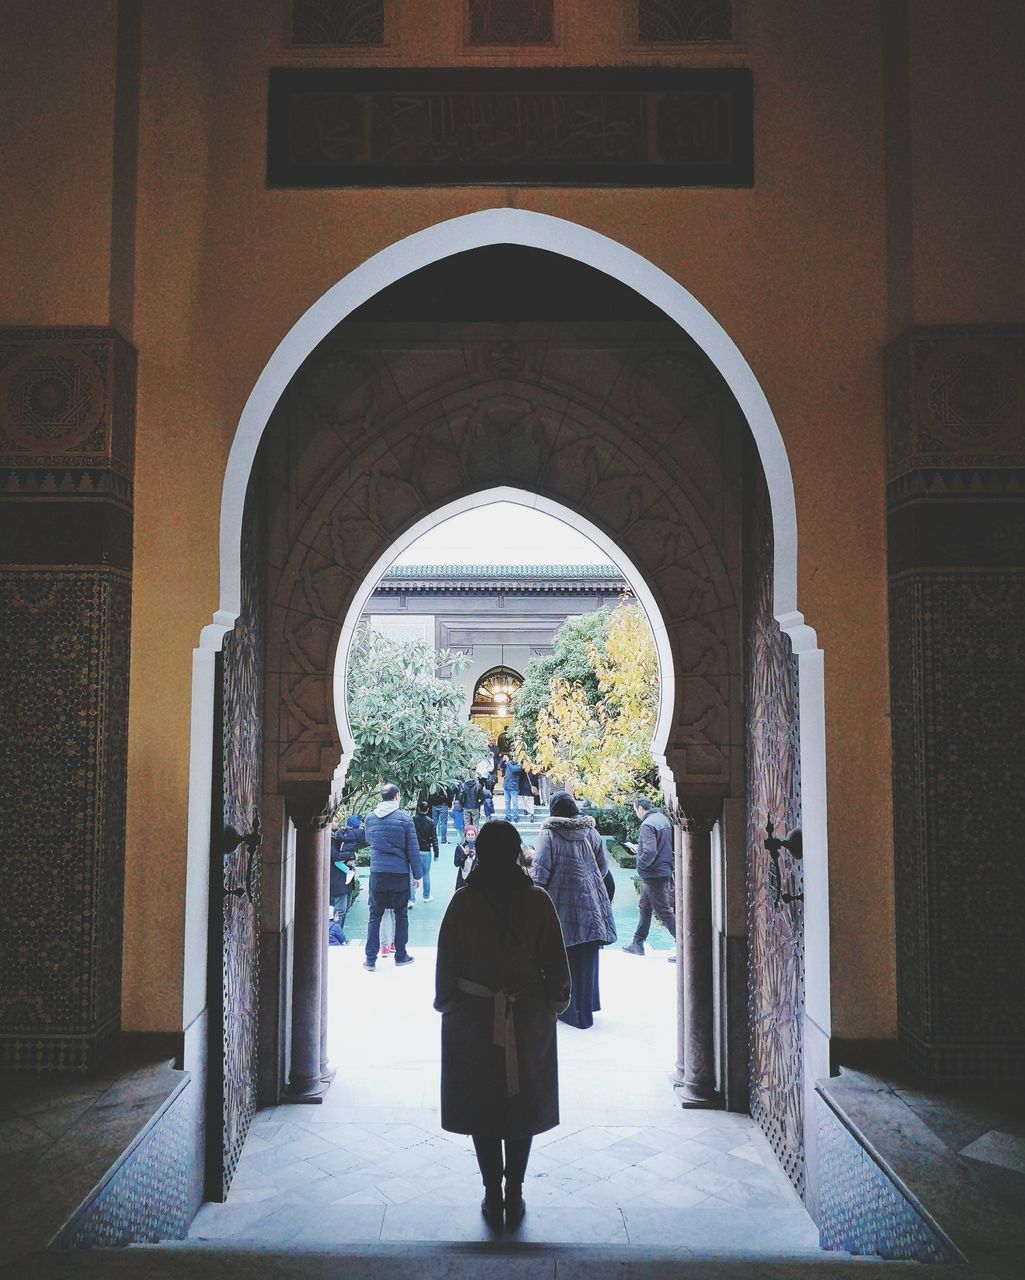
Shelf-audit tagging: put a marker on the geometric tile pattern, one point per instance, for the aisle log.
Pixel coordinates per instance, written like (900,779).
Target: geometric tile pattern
(775,925)
(67,418)
(862,1211)
(957,648)
(956,446)
(154,1191)
(63,703)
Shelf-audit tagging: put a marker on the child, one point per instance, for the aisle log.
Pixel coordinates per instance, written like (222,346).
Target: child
(465,857)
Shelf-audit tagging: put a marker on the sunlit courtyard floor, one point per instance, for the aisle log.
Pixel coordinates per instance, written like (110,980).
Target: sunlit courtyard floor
(626,1166)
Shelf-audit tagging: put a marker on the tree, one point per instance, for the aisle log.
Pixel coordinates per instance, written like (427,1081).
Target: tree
(570,661)
(603,746)
(408,723)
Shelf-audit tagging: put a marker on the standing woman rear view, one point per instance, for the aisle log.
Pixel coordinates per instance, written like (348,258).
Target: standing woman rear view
(502,979)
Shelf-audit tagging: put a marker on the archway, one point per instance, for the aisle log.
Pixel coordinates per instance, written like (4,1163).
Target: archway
(517,227)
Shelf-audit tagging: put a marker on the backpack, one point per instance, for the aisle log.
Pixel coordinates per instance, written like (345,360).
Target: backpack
(469,795)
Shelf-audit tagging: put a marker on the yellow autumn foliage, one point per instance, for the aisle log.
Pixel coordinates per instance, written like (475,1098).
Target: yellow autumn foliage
(604,751)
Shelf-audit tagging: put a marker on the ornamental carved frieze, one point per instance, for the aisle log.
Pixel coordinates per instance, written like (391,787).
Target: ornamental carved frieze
(955,398)
(359,481)
(67,403)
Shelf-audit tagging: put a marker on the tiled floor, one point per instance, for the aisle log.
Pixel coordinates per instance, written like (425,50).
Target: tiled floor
(626,1166)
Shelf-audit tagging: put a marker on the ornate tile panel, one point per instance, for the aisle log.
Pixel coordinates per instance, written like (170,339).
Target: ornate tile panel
(956,529)
(862,1210)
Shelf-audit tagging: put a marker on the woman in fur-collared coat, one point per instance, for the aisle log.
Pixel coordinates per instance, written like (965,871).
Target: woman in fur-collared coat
(502,978)
(569,862)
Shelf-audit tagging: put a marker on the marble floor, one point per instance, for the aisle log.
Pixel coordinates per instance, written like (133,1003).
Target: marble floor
(626,1167)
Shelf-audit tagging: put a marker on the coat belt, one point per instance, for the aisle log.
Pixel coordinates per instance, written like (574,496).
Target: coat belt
(503,1027)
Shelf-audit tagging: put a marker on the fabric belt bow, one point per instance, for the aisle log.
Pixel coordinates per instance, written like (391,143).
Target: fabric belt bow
(503,1028)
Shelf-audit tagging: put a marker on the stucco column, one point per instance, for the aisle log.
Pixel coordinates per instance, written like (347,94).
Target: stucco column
(310,814)
(695,1085)
(327,1071)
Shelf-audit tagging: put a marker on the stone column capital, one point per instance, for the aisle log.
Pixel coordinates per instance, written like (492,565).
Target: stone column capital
(310,805)
(697,814)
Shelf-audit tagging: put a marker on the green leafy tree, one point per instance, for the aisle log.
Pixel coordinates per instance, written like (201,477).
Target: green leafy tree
(570,660)
(409,724)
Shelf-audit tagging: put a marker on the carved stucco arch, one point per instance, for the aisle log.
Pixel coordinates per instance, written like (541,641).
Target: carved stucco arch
(391,477)
(556,235)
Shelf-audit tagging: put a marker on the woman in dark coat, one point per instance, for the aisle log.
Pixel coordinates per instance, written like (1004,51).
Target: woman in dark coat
(569,861)
(501,980)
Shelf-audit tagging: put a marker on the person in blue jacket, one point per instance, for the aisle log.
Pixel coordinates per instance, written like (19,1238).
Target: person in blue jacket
(346,842)
(394,861)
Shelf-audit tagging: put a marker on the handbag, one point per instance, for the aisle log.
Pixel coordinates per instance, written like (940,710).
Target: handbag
(609,882)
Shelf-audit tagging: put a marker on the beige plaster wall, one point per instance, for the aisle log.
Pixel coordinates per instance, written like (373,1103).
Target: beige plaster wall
(57,80)
(795,269)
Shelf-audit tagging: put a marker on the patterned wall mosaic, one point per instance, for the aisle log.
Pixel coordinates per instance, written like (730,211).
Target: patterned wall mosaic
(64,707)
(956,440)
(66,431)
(775,928)
(154,1192)
(862,1210)
(234,1077)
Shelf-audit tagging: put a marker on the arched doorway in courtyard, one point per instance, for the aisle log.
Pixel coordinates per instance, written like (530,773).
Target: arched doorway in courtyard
(348,466)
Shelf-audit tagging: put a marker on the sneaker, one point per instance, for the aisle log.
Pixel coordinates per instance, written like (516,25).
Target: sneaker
(430,899)
(412,903)
(370,965)
(671,960)
(634,949)
(406,959)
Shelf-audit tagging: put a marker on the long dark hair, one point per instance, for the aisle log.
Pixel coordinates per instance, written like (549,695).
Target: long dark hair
(498,876)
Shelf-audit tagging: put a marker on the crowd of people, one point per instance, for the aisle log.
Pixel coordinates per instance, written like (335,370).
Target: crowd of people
(517,953)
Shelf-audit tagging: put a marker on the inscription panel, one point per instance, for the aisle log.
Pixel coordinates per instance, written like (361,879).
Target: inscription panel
(332,127)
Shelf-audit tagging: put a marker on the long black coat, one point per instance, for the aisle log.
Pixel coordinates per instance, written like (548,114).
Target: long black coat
(474,1095)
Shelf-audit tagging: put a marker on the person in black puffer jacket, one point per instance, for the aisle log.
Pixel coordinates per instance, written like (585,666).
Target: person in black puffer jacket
(427,839)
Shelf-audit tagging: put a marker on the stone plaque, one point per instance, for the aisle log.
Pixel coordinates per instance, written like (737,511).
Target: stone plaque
(334,127)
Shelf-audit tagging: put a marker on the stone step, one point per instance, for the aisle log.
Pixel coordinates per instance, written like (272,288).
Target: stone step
(503,1258)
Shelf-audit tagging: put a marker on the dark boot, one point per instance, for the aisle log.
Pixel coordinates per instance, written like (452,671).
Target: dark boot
(515,1207)
(491,1206)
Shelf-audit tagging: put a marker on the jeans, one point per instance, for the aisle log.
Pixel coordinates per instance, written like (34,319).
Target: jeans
(657,896)
(458,822)
(439,815)
(426,857)
(388,891)
(341,906)
(469,818)
(512,800)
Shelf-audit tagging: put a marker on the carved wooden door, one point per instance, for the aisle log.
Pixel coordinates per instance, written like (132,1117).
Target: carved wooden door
(774,901)
(235,878)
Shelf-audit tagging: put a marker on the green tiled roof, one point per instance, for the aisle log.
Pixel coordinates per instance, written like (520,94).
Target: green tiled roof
(574,579)
(542,572)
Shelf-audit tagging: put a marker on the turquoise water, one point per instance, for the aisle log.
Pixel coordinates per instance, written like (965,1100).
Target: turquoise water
(425,917)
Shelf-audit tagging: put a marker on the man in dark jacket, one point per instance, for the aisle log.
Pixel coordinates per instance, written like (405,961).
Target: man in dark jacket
(511,788)
(394,858)
(470,795)
(655,868)
(439,801)
(427,839)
